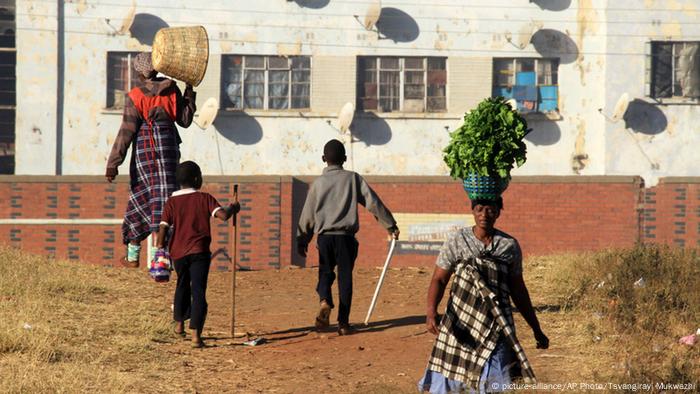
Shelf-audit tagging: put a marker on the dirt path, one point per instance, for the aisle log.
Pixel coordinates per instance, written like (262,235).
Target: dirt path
(387,356)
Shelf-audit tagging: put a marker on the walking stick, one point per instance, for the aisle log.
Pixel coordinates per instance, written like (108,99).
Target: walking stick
(234,258)
(381,280)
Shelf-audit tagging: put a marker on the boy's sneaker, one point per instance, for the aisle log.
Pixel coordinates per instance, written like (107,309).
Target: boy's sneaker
(345,329)
(324,314)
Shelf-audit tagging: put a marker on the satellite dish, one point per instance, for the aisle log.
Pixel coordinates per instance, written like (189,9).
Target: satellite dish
(372,15)
(345,117)
(620,107)
(207,114)
(129,19)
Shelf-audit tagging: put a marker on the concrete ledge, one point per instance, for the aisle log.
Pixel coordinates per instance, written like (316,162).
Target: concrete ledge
(125,179)
(632,179)
(680,179)
(370,178)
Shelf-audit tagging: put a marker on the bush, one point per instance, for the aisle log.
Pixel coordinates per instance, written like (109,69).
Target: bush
(647,297)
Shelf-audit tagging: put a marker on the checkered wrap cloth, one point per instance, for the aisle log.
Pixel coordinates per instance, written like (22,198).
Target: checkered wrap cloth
(478,313)
(152,172)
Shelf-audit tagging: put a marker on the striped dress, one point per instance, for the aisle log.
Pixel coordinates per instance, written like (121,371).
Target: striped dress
(148,127)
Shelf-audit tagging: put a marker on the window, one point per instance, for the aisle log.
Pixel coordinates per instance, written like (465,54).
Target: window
(266,82)
(531,82)
(408,84)
(675,69)
(8,96)
(121,77)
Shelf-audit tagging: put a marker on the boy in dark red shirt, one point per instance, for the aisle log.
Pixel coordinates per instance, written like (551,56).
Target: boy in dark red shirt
(188,212)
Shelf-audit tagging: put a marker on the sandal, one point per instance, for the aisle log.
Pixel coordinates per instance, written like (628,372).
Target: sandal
(198,345)
(324,314)
(180,334)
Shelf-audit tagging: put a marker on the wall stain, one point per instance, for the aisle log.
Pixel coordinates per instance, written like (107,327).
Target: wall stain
(36,136)
(80,6)
(580,159)
(671,29)
(289,49)
(225,46)
(586,18)
(497,40)
(442,42)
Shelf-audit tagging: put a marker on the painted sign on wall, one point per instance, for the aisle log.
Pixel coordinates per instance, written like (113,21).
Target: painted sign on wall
(424,233)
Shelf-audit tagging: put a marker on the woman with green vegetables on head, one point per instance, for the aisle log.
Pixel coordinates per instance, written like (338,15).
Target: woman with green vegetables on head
(476,349)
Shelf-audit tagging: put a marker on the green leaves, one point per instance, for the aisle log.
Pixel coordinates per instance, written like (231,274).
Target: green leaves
(489,142)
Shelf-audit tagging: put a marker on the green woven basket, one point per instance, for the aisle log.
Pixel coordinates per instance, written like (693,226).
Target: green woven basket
(481,187)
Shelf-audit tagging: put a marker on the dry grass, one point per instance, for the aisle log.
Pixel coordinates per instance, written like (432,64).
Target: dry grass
(635,326)
(97,329)
(67,327)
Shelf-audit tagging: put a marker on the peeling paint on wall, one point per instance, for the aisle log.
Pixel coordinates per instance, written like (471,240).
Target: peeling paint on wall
(289,49)
(671,29)
(80,6)
(580,158)
(442,42)
(586,17)
(498,40)
(332,32)
(36,136)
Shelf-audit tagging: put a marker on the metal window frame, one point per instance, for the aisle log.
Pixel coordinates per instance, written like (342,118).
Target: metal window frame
(402,81)
(129,83)
(651,69)
(514,60)
(266,82)
(379,81)
(11,107)
(402,64)
(512,77)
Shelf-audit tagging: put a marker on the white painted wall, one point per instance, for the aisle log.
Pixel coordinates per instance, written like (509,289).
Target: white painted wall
(674,148)
(467,32)
(35,124)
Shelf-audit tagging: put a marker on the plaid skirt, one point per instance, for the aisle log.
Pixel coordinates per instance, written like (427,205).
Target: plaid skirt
(154,158)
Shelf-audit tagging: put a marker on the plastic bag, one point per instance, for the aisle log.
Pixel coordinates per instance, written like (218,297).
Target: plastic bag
(161,266)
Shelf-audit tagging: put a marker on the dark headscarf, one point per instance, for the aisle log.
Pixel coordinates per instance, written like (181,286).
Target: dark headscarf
(143,65)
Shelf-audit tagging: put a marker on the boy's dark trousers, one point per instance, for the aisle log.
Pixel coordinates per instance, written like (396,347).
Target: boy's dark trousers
(190,293)
(336,250)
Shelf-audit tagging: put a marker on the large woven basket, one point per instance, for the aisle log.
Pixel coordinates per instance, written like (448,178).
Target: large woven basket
(480,187)
(181,53)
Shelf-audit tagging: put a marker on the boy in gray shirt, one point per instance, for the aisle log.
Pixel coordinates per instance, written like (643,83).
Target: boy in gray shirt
(330,211)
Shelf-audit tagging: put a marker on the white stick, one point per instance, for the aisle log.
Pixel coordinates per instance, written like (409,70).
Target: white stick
(381,279)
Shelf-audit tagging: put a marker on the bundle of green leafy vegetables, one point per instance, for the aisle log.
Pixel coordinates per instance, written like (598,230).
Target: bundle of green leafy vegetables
(489,142)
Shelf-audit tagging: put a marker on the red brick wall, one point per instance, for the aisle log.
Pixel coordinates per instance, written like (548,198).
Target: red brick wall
(546,214)
(671,212)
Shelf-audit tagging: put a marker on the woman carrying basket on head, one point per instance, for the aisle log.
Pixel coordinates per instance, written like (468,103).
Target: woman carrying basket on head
(148,126)
(476,349)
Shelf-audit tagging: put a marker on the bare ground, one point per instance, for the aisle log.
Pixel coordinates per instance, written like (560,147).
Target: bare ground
(107,330)
(389,355)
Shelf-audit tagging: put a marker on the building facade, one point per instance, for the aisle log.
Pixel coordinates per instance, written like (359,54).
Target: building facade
(610,90)
(280,72)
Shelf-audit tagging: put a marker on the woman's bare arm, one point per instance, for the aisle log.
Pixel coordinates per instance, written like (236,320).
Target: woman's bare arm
(521,299)
(435,292)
